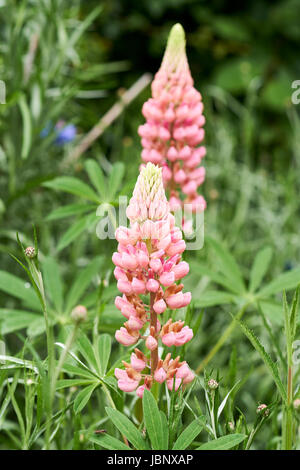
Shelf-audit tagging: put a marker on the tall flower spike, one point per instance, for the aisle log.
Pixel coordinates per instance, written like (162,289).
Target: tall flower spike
(148,262)
(174,127)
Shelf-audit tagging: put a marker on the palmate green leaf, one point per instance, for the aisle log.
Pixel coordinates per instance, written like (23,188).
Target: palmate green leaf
(127,428)
(103,353)
(81,282)
(115,179)
(153,422)
(53,282)
(213,297)
(189,434)
(14,320)
(228,265)
(285,281)
(16,287)
(75,230)
(97,178)
(271,366)
(72,185)
(204,270)
(70,210)
(83,397)
(223,443)
(90,371)
(108,442)
(259,268)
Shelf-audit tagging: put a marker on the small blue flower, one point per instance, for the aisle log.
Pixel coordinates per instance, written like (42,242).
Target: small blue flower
(65,133)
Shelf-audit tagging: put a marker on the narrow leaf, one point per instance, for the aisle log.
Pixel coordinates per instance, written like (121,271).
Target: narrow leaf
(259,268)
(83,397)
(53,282)
(126,427)
(224,442)
(103,352)
(97,177)
(109,442)
(72,185)
(115,179)
(189,434)
(152,420)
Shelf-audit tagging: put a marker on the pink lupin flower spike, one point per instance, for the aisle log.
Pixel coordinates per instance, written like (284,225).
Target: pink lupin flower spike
(148,263)
(173,133)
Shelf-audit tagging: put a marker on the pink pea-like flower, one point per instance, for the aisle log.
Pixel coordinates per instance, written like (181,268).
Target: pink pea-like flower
(159,306)
(160,375)
(124,337)
(151,343)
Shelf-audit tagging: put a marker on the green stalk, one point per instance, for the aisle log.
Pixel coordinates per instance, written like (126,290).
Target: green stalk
(62,359)
(287,422)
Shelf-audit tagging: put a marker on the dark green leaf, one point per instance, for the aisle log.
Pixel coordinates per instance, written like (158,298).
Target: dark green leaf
(189,434)
(83,397)
(72,185)
(152,420)
(103,352)
(109,442)
(53,282)
(126,427)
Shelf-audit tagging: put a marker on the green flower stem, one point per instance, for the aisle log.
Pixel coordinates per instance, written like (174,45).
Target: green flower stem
(62,359)
(287,438)
(287,421)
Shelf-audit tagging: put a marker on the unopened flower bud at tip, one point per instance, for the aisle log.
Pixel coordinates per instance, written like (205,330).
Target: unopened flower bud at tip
(212,384)
(79,314)
(30,252)
(263,409)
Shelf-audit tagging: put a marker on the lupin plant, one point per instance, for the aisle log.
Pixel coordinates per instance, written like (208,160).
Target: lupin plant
(174,127)
(148,266)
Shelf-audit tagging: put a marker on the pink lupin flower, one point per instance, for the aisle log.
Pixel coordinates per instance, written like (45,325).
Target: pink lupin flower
(148,263)
(175,334)
(173,132)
